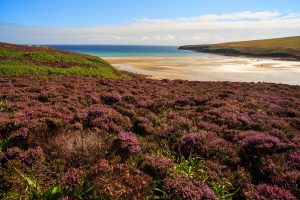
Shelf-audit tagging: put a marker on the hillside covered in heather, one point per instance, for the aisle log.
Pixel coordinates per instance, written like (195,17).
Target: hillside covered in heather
(80,136)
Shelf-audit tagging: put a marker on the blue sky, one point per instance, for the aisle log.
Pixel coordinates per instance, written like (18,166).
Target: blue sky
(146,21)
(100,12)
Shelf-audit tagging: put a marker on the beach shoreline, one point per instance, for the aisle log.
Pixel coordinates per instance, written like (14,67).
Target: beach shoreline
(216,68)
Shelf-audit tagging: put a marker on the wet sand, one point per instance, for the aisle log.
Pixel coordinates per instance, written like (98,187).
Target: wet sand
(216,68)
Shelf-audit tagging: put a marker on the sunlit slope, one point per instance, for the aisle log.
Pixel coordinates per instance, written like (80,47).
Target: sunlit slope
(288,47)
(25,60)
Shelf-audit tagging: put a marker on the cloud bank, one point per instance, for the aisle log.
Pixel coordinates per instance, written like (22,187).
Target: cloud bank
(203,29)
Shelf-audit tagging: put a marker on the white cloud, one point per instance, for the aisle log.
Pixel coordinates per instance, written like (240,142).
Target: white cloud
(240,16)
(170,37)
(208,28)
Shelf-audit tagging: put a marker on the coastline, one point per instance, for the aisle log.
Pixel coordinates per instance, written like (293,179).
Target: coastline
(232,52)
(219,68)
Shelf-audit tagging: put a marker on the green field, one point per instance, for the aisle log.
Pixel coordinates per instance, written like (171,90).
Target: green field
(17,60)
(288,47)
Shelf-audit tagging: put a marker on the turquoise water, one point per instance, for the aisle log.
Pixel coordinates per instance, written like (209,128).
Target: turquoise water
(127,50)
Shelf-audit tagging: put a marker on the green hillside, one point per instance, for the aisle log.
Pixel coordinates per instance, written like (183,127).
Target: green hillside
(19,60)
(288,47)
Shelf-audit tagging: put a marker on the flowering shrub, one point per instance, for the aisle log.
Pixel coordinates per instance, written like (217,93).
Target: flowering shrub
(260,144)
(289,181)
(31,155)
(20,134)
(101,166)
(126,143)
(157,167)
(208,145)
(265,192)
(107,119)
(66,198)
(143,126)
(110,98)
(192,143)
(179,187)
(85,122)
(208,194)
(293,162)
(72,178)
(13,152)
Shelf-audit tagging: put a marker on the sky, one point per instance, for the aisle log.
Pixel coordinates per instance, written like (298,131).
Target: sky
(150,22)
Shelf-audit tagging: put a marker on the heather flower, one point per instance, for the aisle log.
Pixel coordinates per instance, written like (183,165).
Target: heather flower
(72,178)
(156,166)
(295,122)
(192,142)
(31,155)
(264,168)
(208,194)
(95,99)
(20,134)
(13,152)
(81,116)
(108,119)
(290,181)
(192,100)
(208,145)
(143,126)
(102,166)
(111,97)
(66,198)
(126,143)
(266,192)
(179,187)
(183,100)
(261,144)
(78,126)
(180,122)
(293,162)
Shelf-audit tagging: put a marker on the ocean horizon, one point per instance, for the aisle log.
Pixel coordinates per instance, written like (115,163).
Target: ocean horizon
(128,50)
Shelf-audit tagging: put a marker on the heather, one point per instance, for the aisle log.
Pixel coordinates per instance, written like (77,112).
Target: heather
(64,137)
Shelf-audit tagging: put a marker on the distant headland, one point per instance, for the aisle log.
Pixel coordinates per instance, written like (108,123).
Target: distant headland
(283,48)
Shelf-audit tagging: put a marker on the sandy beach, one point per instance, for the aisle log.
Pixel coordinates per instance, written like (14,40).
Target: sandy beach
(216,68)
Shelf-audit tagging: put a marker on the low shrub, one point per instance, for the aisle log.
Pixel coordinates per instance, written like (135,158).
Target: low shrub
(260,144)
(157,167)
(180,187)
(126,144)
(266,192)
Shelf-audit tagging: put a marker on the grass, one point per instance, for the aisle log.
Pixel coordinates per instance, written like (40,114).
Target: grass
(18,60)
(195,168)
(284,46)
(288,47)
(15,68)
(277,44)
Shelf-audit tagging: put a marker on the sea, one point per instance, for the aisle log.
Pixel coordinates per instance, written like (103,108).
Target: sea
(171,63)
(127,50)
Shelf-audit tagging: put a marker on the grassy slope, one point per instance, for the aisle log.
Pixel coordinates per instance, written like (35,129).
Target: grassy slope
(24,60)
(288,47)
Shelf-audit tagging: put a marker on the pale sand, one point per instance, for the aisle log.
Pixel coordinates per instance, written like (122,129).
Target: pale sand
(218,68)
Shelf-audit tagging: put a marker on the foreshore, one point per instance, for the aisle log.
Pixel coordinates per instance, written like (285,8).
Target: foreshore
(215,68)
